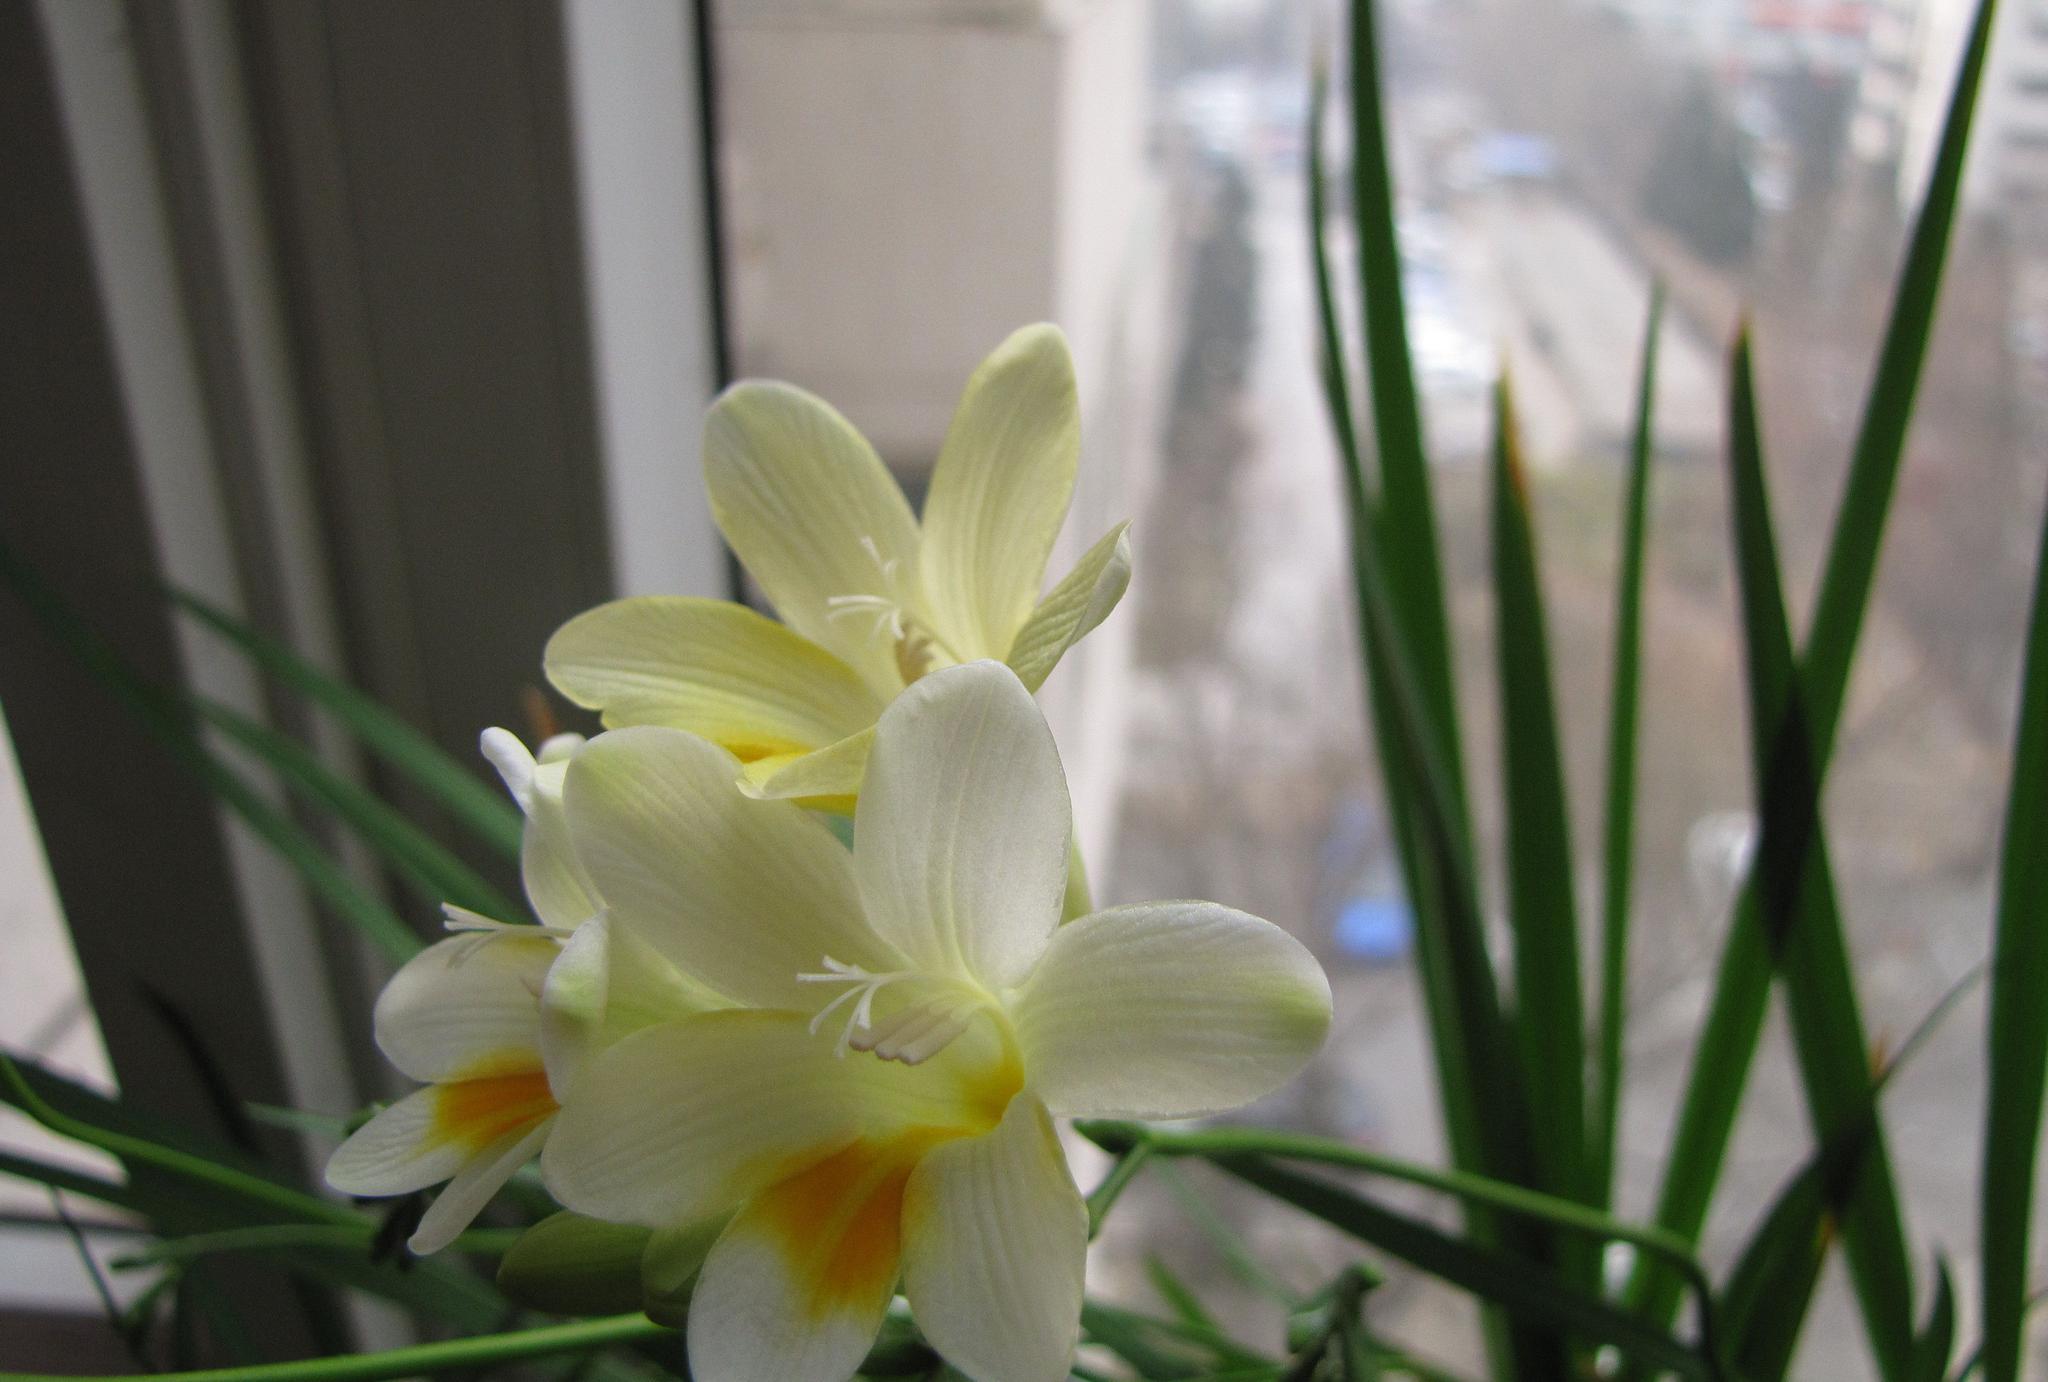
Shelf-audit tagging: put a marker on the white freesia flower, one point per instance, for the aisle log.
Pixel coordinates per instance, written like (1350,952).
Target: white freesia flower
(496,1022)
(882,1113)
(870,598)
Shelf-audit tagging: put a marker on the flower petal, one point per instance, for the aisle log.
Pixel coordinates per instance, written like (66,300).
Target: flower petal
(556,886)
(1083,598)
(796,1287)
(691,1117)
(712,667)
(607,985)
(995,1243)
(960,838)
(669,1266)
(741,895)
(827,779)
(813,513)
(1000,492)
(456,1207)
(1168,1010)
(694,1117)
(398,1151)
(466,1006)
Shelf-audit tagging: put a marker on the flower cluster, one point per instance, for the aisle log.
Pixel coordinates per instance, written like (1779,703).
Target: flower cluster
(821,1075)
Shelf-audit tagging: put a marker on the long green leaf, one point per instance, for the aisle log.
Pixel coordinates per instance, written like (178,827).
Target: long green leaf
(1618,853)
(1772,1283)
(1512,1201)
(1444,892)
(1251,1273)
(1178,1295)
(436,872)
(80,1101)
(1406,517)
(1485,1115)
(1412,685)
(1888,408)
(190,1166)
(1525,1289)
(461,791)
(1728,1041)
(1446,1009)
(70,1180)
(1937,1340)
(1549,1018)
(166,719)
(1128,1338)
(2017,1029)
(187,1185)
(1797,912)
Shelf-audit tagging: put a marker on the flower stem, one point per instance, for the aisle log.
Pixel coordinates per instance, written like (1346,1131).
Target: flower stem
(421,1358)
(1124,1139)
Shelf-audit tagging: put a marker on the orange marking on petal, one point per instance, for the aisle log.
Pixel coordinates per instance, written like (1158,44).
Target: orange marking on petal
(475,1113)
(839,1222)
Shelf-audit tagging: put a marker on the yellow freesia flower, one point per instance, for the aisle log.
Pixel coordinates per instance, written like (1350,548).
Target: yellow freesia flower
(498,1022)
(870,599)
(909,1017)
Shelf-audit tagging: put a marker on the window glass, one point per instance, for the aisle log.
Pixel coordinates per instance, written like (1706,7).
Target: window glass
(1759,159)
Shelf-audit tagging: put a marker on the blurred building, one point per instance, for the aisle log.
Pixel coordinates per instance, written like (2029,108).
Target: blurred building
(1915,47)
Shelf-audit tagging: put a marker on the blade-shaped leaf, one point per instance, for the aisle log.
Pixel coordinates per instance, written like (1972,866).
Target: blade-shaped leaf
(71,1181)
(1474,1060)
(1525,1289)
(462,791)
(2017,1031)
(1888,408)
(1937,1338)
(165,717)
(1178,1295)
(1549,1018)
(1728,1041)
(1770,1288)
(1513,1202)
(1618,847)
(1796,909)
(1406,513)
(436,872)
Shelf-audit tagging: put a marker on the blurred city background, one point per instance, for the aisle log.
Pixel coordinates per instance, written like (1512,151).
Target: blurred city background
(893,184)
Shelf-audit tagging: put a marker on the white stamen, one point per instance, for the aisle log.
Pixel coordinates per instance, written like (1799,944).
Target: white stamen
(462,919)
(913,1035)
(886,609)
(887,615)
(862,995)
(481,930)
(920,1032)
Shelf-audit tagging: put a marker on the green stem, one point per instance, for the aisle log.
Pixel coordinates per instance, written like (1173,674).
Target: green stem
(270,1237)
(1123,1138)
(419,1359)
(1254,1274)
(294,1202)
(1120,1175)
